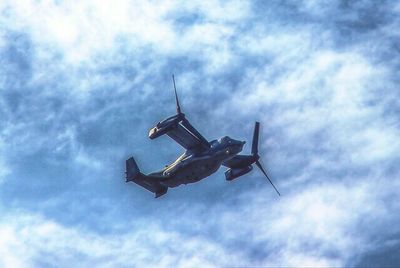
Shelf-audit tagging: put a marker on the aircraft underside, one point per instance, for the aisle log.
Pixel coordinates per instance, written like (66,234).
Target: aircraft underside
(192,171)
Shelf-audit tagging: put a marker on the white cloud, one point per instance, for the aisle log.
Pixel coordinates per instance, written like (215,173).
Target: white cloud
(318,226)
(325,91)
(315,226)
(302,87)
(32,240)
(81,30)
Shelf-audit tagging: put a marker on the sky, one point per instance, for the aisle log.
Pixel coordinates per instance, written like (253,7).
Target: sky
(82,82)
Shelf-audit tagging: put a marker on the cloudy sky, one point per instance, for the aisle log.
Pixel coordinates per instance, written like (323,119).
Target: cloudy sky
(82,82)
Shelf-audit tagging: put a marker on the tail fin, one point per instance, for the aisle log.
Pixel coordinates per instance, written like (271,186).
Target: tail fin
(132,170)
(149,182)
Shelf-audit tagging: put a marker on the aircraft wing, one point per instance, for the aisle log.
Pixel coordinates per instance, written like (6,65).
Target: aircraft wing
(180,130)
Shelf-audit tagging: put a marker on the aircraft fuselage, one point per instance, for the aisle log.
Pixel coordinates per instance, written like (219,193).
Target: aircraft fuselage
(190,168)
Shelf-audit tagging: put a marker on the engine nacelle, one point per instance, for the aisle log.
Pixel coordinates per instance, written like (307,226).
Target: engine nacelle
(164,126)
(156,132)
(233,173)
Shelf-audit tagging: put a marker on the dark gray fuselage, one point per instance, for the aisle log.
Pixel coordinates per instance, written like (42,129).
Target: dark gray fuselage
(194,166)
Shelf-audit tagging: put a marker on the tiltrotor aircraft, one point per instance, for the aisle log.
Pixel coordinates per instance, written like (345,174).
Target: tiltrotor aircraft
(201,158)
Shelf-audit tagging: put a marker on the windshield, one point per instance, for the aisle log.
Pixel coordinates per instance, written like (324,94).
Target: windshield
(224,139)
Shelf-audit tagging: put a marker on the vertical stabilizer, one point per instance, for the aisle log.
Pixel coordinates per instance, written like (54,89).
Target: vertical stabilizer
(150,183)
(132,170)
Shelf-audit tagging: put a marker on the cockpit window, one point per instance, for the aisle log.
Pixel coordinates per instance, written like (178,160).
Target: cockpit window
(224,139)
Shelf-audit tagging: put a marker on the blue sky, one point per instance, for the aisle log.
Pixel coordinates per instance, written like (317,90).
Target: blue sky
(82,82)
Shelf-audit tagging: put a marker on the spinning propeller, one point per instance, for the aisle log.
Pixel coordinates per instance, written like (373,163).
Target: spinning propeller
(178,107)
(254,152)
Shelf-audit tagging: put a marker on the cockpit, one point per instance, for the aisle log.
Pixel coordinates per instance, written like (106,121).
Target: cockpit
(224,139)
(227,142)
(221,141)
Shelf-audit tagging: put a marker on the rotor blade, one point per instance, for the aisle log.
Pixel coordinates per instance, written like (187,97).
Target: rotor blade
(254,145)
(178,108)
(261,168)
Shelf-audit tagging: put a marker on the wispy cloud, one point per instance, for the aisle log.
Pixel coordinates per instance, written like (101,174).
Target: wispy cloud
(81,84)
(32,240)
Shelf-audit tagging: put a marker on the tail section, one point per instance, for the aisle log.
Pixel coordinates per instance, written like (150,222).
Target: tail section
(153,184)
(132,170)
